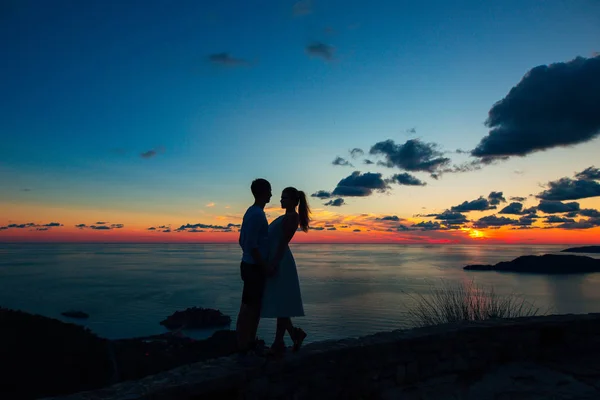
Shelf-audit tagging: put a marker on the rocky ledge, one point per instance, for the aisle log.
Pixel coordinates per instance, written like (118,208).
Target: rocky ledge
(546,264)
(584,249)
(43,356)
(196,318)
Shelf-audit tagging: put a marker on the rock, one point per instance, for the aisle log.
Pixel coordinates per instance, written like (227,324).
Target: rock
(75,314)
(196,318)
(584,249)
(546,264)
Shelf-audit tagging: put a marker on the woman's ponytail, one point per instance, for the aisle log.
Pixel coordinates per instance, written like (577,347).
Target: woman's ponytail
(303,211)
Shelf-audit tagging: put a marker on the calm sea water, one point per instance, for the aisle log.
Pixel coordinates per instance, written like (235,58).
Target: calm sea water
(348,290)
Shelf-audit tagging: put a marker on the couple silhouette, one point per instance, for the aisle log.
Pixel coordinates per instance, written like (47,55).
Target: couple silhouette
(268,269)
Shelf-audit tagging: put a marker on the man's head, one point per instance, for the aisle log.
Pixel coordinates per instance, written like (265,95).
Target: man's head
(261,189)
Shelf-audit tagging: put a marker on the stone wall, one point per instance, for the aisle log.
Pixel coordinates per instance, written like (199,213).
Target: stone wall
(376,366)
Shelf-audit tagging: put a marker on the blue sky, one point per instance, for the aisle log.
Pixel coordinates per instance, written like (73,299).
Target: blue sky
(89,86)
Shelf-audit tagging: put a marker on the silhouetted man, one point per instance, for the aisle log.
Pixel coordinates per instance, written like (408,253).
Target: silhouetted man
(255,246)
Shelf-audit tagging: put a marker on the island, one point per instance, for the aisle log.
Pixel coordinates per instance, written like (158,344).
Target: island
(545,264)
(196,318)
(584,249)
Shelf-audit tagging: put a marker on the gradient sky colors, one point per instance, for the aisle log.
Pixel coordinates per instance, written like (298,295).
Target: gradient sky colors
(125,116)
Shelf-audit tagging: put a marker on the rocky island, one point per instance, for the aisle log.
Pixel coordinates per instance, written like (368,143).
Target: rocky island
(584,249)
(545,264)
(196,318)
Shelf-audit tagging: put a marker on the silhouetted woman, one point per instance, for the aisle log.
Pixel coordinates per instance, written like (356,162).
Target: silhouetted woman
(282,298)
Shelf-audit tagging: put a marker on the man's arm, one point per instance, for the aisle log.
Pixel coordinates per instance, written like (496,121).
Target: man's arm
(252,235)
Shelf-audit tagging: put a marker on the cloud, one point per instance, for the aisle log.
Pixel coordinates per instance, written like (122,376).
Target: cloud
(321,50)
(214,228)
(526,220)
(581,224)
(335,202)
(496,198)
(356,230)
(316,228)
(569,189)
(210,204)
(167,230)
(356,152)
(41,229)
(590,212)
(589,174)
(411,131)
(342,162)
(100,227)
(512,208)
(3,228)
(302,7)
(227,60)
(406,179)
(479,204)
(413,155)
(360,185)
(554,219)
(81,226)
(553,105)
(555,207)
(517,198)
(164,227)
(368,162)
(321,194)
(101,223)
(332,229)
(52,224)
(429,226)
(494,221)
(117,226)
(388,218)
(152,228)
(22,226)
(451,218)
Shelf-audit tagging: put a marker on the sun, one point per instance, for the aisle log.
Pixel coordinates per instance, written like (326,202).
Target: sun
(474,233)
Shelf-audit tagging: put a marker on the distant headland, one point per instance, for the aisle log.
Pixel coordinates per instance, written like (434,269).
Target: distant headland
(545,264)
(584,249)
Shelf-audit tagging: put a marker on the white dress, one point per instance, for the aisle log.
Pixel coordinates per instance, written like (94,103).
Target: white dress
(282,297)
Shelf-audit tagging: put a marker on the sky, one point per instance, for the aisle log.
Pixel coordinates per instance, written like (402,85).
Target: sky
(402,121)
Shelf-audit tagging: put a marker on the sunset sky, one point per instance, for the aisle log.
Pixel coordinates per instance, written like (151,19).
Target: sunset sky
(408,122)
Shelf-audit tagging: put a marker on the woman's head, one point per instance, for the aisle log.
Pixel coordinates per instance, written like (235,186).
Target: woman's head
(292,197)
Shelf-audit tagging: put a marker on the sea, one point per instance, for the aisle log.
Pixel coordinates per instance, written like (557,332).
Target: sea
(349,290)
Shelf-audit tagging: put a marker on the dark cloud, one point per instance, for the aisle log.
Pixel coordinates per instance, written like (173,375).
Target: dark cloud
(589,174)
(167,230)
(335,202)
(101,223)
(22,226)
(360,185)
(342,162)
(429,226)
(52,224)
(316,228)
(321,194)
(227,60)
(496,198)
(411,131)
(553,105)
(196,230)
(230,225)
(590,212)
(152,228)
(581,224)
(530,210)
(570,189)
(526,220)
(512,208)
(189,227)
(494,221)
(41,229)
(3,228)
(302,7)
(555,207)
(368,162)
(520,199)
(356,152)
(413,155)
(356,230)
(321,50)
(554,219)
(81,226)
(100,227)
(402,228)
(332,229)
(450,217)
(116,226)
(388,218)
(406,179)
(479,204)
(163,227)
(148,154)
